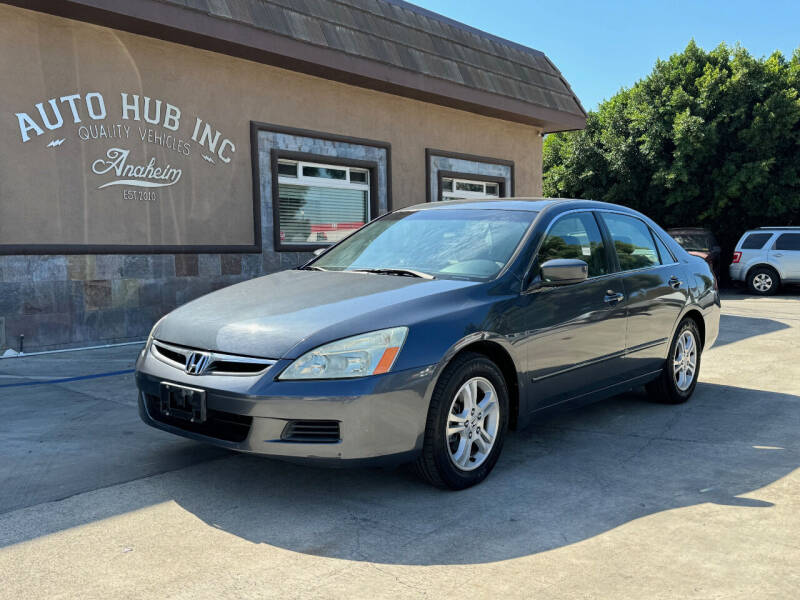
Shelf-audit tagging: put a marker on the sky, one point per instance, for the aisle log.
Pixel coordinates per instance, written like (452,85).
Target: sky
(601,46)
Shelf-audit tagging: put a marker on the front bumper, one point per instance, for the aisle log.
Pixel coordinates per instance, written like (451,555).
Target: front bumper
(381,418)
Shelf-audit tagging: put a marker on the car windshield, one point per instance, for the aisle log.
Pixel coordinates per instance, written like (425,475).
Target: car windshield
(449,243)
(693,241)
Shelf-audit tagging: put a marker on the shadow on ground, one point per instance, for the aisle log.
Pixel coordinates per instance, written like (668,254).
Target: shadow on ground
(570,478)
(734,328)
(788,290)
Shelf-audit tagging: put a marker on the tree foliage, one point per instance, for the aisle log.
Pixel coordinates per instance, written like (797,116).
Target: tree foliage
(707,139)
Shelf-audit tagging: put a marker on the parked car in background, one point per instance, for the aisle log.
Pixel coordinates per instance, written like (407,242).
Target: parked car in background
(766,258)
(699,241)
(429,332)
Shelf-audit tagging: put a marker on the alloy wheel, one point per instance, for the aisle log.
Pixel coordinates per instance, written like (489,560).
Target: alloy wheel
(472,424)
(685,360)
(762,282)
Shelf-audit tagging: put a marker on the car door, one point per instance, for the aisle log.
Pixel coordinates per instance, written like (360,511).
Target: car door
(656,289)
(785,253)
(576,332)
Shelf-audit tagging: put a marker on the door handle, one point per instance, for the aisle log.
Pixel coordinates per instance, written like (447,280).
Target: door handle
(675,282)
(777,254)
(613,297)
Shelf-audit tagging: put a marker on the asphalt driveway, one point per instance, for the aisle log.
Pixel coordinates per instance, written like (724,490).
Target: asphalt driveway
(624,499)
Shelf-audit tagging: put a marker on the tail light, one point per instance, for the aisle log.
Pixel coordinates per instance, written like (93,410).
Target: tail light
(737,256)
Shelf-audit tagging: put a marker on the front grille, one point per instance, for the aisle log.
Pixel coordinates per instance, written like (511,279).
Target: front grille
(172,355)
(314,432)
(218,363)
(218,424)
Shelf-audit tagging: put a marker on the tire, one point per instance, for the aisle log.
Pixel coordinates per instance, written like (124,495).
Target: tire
(763,281)
(669,388)
(467,374)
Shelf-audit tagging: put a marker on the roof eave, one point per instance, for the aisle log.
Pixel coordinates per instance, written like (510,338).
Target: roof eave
(190,27)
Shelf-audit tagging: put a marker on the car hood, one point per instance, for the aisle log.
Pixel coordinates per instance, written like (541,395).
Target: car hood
(270,316)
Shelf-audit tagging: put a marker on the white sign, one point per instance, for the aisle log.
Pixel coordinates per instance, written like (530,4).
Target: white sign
(140,120)
(148,175)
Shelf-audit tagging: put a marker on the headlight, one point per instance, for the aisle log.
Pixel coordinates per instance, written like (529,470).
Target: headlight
(357,356)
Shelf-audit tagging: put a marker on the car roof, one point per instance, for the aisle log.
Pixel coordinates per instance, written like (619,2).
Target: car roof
(778,228)
(525,203)
(771,230)
(688,230)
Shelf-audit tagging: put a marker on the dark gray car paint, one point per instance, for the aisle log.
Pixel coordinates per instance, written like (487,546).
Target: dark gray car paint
(566,343)
(284,314)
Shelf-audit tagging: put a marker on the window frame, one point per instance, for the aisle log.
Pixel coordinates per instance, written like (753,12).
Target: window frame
(335,162)
(611,255)
(778,239)
(431,154)
(611,261)
(764,244)
(471,178)
(657,238)
(607,235)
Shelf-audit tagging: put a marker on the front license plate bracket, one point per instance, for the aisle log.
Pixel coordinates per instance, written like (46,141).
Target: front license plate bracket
(184,403)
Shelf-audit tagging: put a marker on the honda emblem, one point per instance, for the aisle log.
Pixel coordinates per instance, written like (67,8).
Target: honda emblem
(197,363)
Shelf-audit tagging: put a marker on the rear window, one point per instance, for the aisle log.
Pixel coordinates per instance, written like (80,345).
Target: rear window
(788,241)
(755,241)
(701,242)
(663,251)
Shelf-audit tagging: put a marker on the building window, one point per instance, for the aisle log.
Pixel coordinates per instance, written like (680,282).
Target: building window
(455,176)
(319,204)
(457,189)
(463,186)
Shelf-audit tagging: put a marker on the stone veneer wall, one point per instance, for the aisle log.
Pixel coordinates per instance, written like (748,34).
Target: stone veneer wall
(267,140)
(79,300)
(460,165)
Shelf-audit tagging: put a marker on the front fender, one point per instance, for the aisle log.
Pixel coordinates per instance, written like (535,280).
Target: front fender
(468,340)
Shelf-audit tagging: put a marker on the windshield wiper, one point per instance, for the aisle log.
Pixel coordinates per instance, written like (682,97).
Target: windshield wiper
(311,268)
(400,272)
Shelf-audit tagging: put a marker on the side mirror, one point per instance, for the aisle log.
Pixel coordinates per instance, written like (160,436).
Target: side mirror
(319,251)
(563,271)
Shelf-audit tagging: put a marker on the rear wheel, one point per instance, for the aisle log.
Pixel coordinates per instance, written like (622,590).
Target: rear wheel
(763,281)
(467,423)
(678,379)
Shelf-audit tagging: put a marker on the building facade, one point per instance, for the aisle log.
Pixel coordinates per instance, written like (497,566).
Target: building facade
(152,151)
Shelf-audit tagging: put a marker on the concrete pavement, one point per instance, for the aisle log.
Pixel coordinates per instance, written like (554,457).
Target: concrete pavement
(623,499)
(60,438)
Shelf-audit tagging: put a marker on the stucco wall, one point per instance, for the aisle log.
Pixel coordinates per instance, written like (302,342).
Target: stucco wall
(49,194)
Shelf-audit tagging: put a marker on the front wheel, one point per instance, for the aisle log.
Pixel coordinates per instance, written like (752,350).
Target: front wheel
(467,423)
(678,379)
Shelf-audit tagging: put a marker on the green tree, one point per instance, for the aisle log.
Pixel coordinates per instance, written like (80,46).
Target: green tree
(708,139)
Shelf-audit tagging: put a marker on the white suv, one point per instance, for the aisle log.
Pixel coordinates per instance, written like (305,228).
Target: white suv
(767,257)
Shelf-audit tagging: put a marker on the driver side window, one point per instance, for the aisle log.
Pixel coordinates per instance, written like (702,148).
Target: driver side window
(576,236)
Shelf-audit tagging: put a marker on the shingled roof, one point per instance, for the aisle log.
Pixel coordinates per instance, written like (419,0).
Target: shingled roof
(389,45)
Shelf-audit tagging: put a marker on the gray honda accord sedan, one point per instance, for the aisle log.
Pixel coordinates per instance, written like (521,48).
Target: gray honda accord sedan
(427,334)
